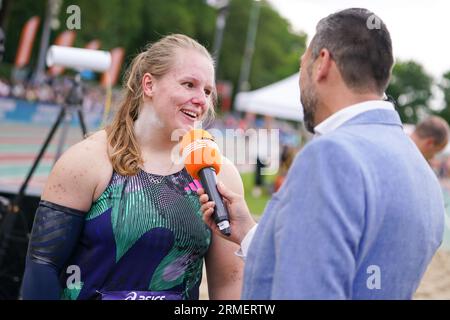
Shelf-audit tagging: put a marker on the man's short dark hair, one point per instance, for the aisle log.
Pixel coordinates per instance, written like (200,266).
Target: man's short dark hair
(433,127)
(361,46)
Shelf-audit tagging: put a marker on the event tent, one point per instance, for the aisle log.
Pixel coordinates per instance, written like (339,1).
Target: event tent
(280,99)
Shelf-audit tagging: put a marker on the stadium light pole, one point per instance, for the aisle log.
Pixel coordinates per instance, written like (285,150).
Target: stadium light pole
(223,7)
(52,11)
(243,84)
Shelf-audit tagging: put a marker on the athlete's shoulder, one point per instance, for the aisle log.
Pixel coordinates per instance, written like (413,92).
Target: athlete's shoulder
(78,173)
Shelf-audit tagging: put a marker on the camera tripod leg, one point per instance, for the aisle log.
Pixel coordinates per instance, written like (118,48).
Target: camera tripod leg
(63,136)
(61,115)
(82,123)
(65,130)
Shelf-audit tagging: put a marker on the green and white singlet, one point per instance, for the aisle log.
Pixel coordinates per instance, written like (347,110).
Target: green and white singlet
(144,238)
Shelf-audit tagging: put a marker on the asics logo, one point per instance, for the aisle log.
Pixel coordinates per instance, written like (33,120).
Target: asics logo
(135,296)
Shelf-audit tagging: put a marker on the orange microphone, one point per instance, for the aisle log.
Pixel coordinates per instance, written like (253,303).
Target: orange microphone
(202,160)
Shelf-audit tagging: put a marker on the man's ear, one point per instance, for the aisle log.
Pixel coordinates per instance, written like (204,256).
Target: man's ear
(147,84)
(323,63)
(430,142)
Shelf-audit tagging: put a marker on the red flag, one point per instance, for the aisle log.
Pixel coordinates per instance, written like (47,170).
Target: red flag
(110,77)
(66,39)
(26,42)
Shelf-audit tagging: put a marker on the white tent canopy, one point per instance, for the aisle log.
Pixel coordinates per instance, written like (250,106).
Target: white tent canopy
(280,99)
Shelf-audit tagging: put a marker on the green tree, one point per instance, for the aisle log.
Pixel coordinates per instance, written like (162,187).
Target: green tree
(444,85)
(277,47)
(133,24)
(410,86)
(114,22)
(18,15)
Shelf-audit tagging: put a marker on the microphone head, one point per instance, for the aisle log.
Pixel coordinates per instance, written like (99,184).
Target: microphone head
(199,150)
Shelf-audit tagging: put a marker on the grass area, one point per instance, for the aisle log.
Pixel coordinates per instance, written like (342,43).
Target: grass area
(256,205)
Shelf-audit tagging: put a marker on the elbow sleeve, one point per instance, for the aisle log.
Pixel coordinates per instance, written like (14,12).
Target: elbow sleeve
(56,230)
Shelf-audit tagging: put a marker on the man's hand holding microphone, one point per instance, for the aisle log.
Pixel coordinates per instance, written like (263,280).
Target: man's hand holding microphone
(227,213)
(239,215)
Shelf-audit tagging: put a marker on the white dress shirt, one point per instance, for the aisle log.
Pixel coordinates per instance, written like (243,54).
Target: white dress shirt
(339,118)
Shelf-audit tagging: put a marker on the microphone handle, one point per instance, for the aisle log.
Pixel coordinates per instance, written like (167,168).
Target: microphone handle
(209,182)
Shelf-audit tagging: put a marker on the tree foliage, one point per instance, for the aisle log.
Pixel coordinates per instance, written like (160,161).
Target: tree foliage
(133,24)
(445,87)
(410,86)
(277,48)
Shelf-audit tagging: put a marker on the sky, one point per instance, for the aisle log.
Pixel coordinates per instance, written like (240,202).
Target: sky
(419,28)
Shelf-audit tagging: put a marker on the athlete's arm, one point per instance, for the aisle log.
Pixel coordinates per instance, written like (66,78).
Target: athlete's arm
(58,222)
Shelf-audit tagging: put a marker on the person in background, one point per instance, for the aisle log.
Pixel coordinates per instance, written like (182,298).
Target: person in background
(287,156)
(431,136)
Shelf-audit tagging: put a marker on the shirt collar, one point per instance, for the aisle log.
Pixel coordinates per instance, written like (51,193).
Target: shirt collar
(339,118)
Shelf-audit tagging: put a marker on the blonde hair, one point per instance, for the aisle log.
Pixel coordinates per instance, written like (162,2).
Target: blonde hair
(157,59)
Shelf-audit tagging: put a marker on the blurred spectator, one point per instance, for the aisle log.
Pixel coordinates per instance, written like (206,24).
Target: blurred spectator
(259,177)
(5,89)
(287,156)
(431,136)
(18,91)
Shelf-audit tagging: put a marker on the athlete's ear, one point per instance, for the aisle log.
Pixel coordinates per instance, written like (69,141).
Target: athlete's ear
(147,84)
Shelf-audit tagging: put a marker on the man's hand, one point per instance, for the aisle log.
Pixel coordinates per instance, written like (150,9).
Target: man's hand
(240,218)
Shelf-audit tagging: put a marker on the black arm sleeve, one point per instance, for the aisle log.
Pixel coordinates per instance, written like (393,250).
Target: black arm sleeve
(56,230)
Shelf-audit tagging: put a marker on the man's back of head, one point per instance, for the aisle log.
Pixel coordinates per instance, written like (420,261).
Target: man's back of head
(348,61)
(361,45)
(431,136)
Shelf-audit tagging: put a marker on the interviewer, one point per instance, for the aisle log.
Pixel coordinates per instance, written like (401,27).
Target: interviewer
(361,213)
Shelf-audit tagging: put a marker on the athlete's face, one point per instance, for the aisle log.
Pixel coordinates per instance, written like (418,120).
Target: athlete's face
(183,95)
